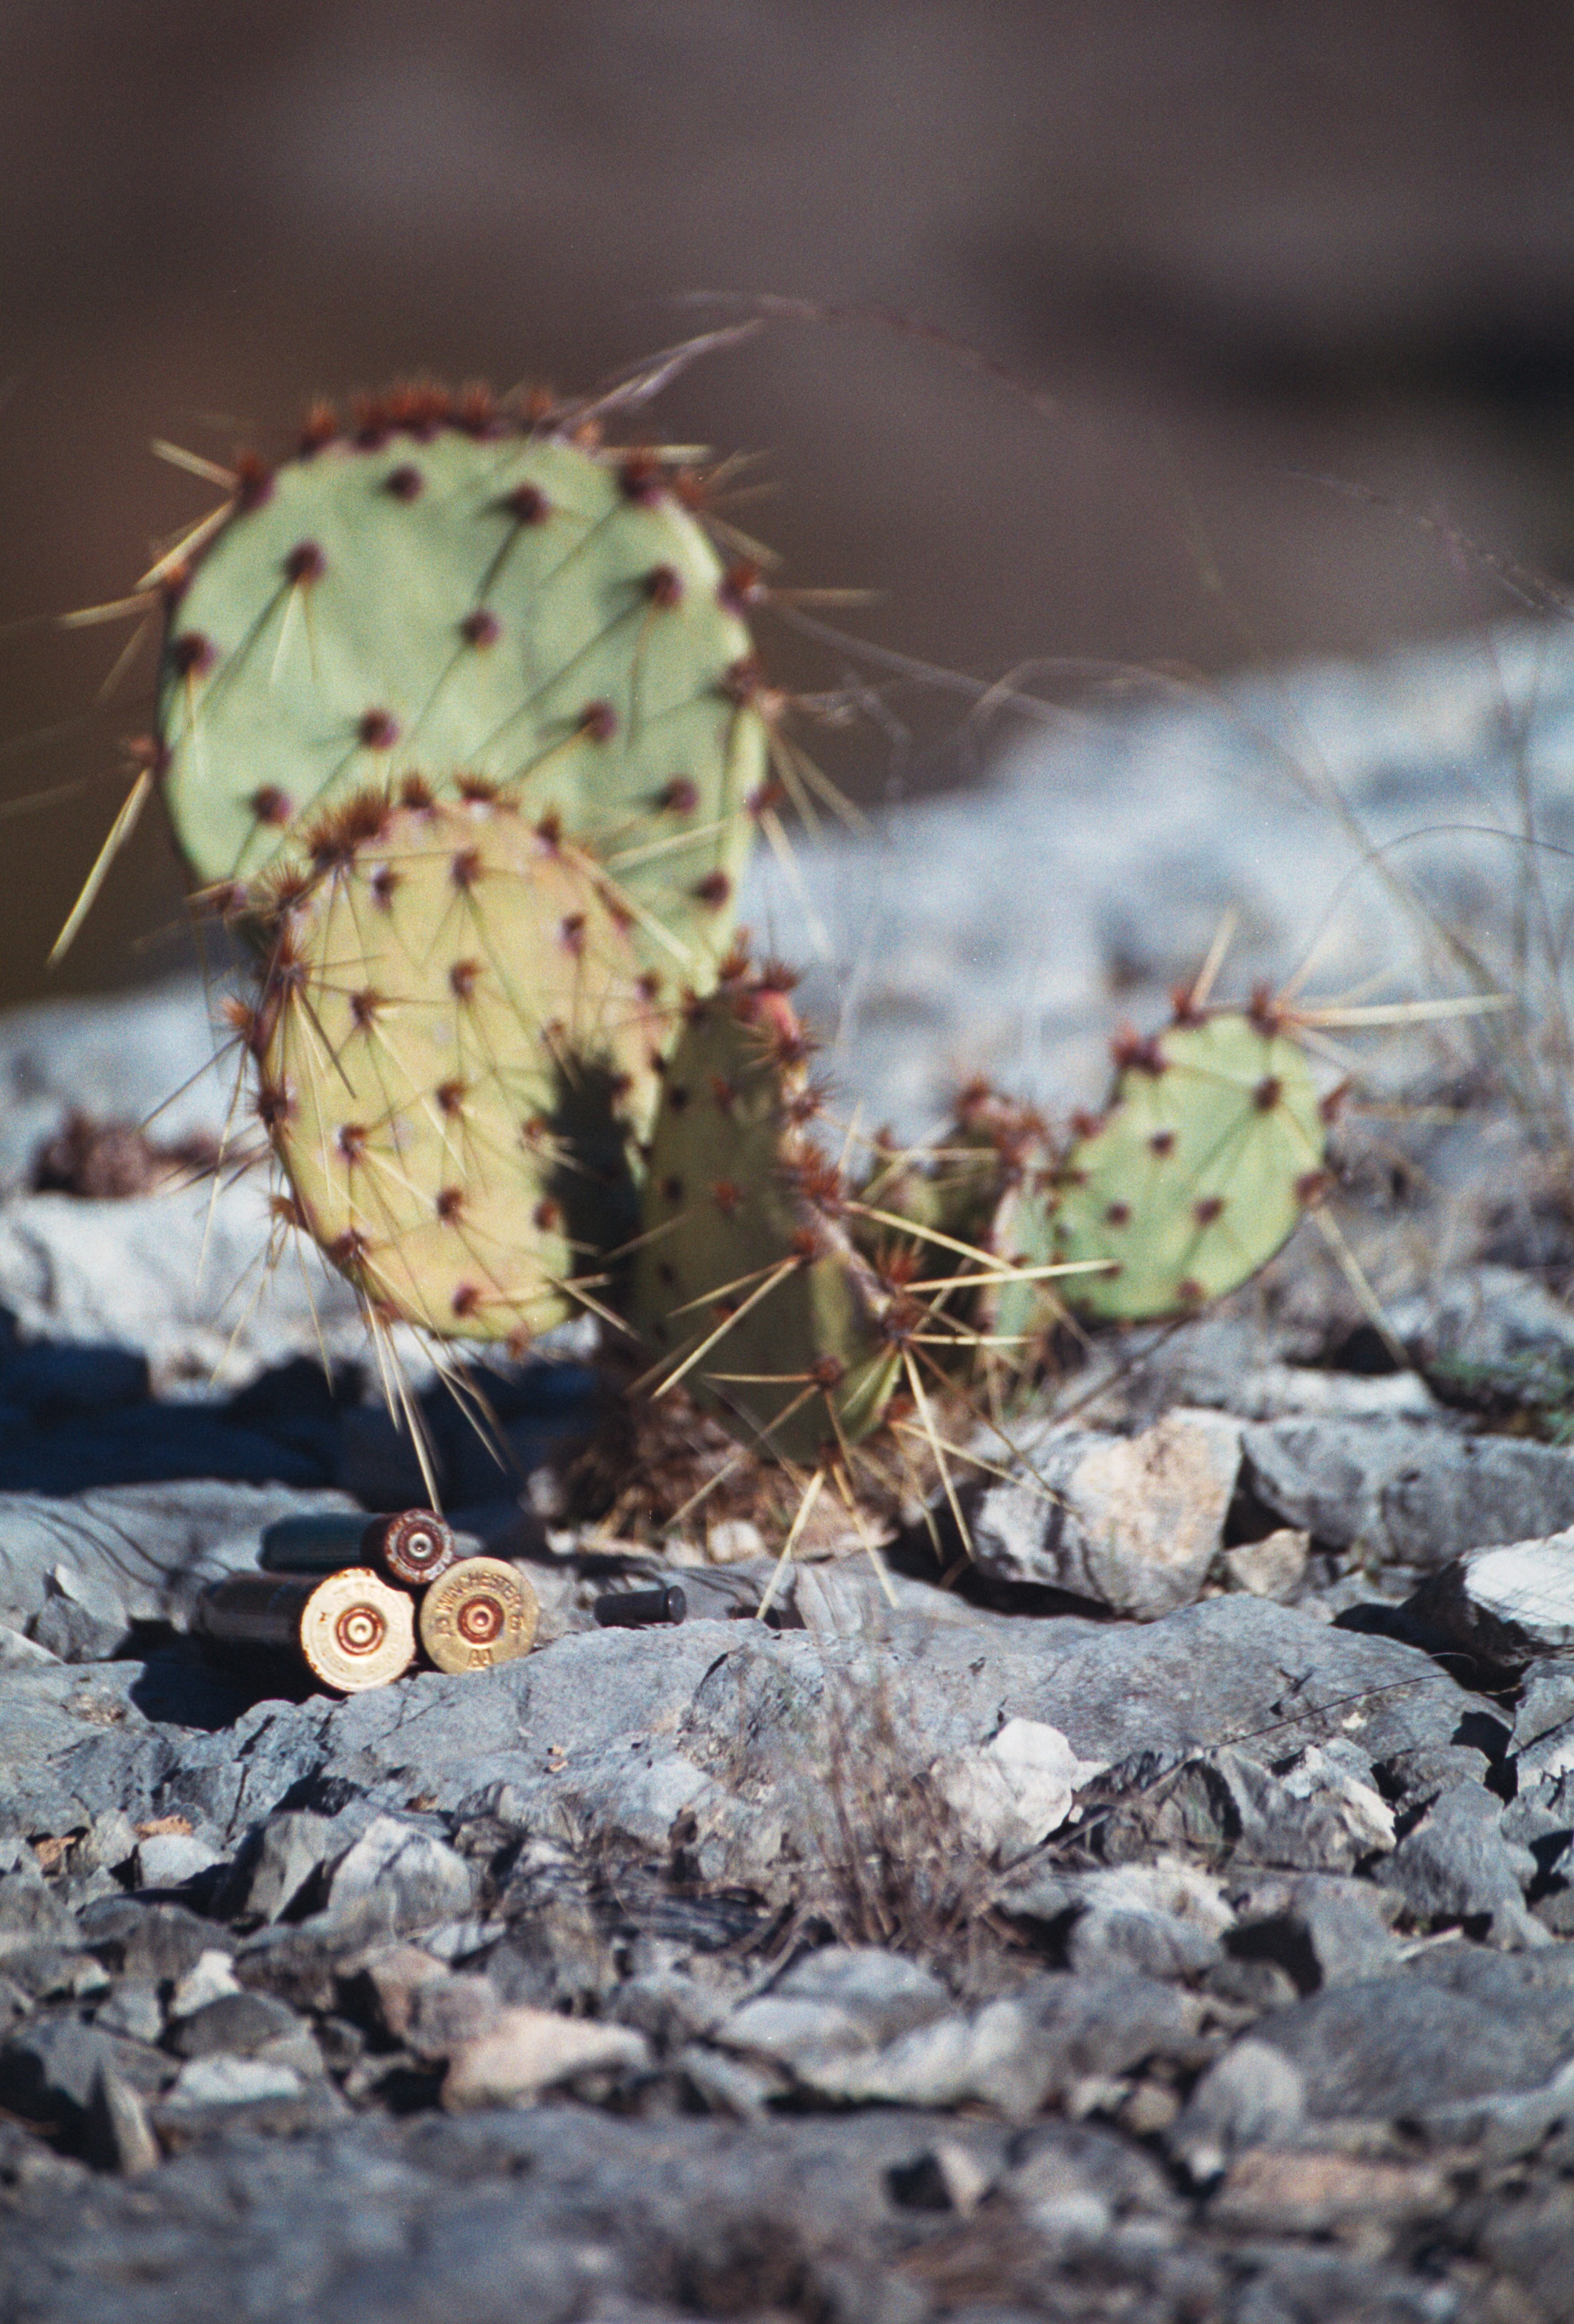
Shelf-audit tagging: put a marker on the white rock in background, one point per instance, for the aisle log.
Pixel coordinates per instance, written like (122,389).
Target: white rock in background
(209,1979)
(1509,1603)
(118,1057)
(1132,1522)
(1273,1567)
(167,1858)
(528,2050)
(1011,1793)
(180,1275)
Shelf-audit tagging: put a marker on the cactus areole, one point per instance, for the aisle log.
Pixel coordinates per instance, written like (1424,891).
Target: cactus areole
(479,602)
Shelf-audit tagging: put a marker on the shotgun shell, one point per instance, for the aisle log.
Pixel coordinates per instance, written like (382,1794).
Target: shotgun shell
(413,1548)
(480,1612)
(637,1609)
(355,1631)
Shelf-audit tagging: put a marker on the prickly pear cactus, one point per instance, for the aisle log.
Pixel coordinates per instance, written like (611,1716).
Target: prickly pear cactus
(746,1257)
(451,1040)
(441,591)
(1211,1149)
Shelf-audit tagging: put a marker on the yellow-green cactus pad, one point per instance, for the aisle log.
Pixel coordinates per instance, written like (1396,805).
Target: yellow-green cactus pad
(441,597)
(1211,1150)
(745,1255)
(452,1034)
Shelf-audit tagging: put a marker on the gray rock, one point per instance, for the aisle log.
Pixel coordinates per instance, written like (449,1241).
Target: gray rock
(155,1944)
(1247,1365)
(132,1553)
(842,2002)
(1545,1707)
(1508,1604)
(18,1653)
(1314,1815)
(1234,1667)
(1122,1941)
(446,2013)
(1132,1523)
(1015,2054)
(408,1877)
(168,1859)
(1543,1734)
(83,1618)
(50,2067)
(225,2081)
(211,1978)
(1325,1477)
(1325,1931)
(1473,1490)
(1456,1864)
(1416,1777)
(115,1056)
(1272,1567)
(1253,2094)
(31,1914)
(132,2008)
(1389,2048)
(1056,2168)
(119,2136)
(289,1849)
(1406,1492)
(153,1273)
(1481,1326)
(238,2024)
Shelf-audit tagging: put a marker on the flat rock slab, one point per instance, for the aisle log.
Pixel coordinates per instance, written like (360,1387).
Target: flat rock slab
(626,1731)
(141,1552)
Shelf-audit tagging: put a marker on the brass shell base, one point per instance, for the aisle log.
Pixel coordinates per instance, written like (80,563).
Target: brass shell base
(480,1612)
(356,1632)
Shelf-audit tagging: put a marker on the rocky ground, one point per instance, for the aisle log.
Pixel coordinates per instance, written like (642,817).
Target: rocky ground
(1173,1918)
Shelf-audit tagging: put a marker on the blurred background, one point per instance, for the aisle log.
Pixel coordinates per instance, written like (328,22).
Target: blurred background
(1240,243)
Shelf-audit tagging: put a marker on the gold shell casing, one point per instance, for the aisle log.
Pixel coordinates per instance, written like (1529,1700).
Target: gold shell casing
(356,1632)
(480,1612)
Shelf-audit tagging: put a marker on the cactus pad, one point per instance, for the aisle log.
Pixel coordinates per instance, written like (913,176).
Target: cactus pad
(452,1031)
(741,1222)
(1212,1148)
(434,596)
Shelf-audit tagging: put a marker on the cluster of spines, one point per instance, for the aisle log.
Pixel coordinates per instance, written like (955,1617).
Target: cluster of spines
(749,1286)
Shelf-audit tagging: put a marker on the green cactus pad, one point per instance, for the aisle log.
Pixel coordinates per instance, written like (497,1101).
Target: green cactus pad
(740,1220)
(1200,1170)
(451,1034)
(548,619)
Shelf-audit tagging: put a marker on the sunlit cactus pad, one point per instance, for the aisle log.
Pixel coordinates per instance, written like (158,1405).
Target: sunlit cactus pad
(745,1248)
(432,595)
(452,1033)
(1200,1168)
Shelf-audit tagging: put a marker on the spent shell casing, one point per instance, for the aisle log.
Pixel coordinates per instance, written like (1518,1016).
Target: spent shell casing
(415,1546)
(640,1609)
(412,1548)
(353,1628)
(480,1612)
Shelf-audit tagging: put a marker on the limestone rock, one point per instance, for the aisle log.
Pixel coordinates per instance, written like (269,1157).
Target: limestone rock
(1132,1523)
